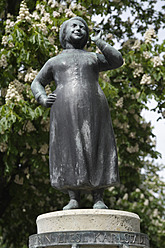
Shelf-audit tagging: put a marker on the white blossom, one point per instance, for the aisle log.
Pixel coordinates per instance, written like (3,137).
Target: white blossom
(132,135)
(30,75)
(69,13)
(5,40)
(45,125)
(149,35)
(137,72)
(9,25)
(119,201)
(146,202)
(14,91)
(73,6)
(163,114)
(3,61)
(136,117)
(48,90)
(29,127)
(137,95)
(50,2)
(34,151)
(24,13)
(155,212)
(109,36)
(138,69)
(137,190)
(136,44)
(44,149)
(51,40)
(28,147)
(55,28)
(35,16)
(46,19)
(61,9)
(133,149)
(120,102)
(110,189)
(80,7)
(18,180)
(53,4)
(134,205)
(146,79)
(151,198)
(125,197)
(56,14)
(146,55)
(42,26)
(41,8)
(3,147)
(157,61)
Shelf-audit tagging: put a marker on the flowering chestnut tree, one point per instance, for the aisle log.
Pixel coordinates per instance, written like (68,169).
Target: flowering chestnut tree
(28,41)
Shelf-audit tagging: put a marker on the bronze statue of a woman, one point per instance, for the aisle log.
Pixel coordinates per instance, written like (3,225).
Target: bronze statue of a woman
(82,151)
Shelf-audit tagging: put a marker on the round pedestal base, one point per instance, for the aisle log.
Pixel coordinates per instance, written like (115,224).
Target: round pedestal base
(88,220)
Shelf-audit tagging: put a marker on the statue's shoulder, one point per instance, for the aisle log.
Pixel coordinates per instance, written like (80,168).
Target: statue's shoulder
(53,60)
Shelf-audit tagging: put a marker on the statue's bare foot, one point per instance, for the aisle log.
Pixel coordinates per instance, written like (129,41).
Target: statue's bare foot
(73,204)
(100,205)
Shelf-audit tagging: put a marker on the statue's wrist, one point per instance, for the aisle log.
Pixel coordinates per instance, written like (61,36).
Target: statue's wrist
(101,44)
(42,100)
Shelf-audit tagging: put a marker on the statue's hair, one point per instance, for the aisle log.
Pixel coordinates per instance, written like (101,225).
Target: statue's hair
(63,28)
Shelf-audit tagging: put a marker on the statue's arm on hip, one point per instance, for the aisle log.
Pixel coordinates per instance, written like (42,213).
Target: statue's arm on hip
(44,77)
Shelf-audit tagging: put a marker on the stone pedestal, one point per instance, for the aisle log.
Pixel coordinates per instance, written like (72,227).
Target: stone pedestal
(88,228)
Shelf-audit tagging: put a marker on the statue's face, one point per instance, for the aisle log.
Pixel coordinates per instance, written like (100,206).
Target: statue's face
(76,32)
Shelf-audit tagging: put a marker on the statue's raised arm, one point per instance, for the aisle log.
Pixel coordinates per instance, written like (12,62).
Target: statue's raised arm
(110,57)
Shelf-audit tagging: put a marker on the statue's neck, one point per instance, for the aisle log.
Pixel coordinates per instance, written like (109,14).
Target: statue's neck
(73,46)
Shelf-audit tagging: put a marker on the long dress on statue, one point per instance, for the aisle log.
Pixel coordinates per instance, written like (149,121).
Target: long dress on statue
(82,151)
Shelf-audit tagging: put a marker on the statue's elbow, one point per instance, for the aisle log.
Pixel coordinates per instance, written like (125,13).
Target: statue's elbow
(34,85)
(120,61)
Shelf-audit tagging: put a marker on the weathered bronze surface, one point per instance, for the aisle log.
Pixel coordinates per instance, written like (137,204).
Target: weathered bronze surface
(82,151)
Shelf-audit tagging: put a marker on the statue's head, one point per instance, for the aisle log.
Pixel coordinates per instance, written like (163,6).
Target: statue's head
(74,31)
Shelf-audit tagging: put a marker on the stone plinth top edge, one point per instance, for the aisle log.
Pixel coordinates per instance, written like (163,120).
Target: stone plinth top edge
(87,212)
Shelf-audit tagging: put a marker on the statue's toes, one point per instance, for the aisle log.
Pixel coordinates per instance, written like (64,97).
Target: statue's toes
(73,204)
(100,205)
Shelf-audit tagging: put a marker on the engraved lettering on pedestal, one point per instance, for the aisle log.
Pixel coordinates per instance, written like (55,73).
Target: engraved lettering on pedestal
(97,237)
(122,238)
(114,238)
(72,238)
(132,238)
(107,238)
(126,238)
(77,238)
(142,239)
(84,238)
(61,238)
(54,238)
(39,240)
(46,237)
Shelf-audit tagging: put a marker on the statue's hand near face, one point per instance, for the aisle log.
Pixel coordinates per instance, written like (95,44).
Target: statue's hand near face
(98,33)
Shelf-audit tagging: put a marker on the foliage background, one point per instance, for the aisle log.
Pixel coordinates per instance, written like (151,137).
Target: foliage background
(29,37)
